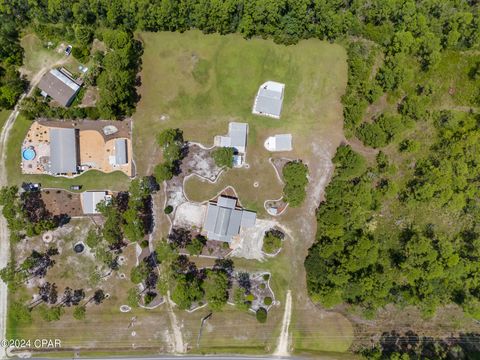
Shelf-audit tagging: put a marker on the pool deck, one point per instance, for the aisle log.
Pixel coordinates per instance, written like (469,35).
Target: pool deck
(96,149)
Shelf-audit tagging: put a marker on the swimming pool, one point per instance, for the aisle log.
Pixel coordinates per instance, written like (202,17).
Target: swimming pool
(28,154)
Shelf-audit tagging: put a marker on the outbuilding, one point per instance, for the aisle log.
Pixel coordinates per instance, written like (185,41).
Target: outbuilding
(60,86)
(91,199)
(281,142)
(224,219)
(269,99)
(63,151)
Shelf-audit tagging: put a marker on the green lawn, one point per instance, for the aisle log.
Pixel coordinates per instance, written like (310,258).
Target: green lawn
(89,180)
(3,117)
(202,82)
(37,56)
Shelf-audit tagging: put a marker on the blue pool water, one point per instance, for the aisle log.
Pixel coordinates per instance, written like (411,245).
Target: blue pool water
(28,154)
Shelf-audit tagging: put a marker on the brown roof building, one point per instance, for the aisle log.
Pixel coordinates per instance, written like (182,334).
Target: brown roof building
(60,86)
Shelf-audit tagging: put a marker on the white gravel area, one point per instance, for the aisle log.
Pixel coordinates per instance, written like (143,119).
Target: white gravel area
(250,241)
(189,215)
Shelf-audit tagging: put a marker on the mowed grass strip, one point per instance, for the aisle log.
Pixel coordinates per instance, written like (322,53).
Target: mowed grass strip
(3,117)
(92,179)
(200,83)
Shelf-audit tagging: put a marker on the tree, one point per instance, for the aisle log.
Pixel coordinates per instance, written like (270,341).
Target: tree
(223,156)
(186,291)
(216,287)
(93,238)
(133,298)
(139,273)
(79,312)
(50,314)
(261,315)
(271,242)
(295,177)
(196,245)
(163,171)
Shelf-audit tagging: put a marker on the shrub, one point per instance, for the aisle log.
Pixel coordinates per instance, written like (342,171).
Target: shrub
(79,312)
(268,301)
(272,242)
(148,298)
(262,286)
(144,244)
(261,315)
(223,156)
(133,298)
(163,171)
(50,314)
(295,176)
(266,277)
(168,209)
(250,297)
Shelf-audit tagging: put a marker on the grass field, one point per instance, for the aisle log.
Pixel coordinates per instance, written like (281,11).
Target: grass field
(37,57)
(200,83)
(3,117)
(89,180)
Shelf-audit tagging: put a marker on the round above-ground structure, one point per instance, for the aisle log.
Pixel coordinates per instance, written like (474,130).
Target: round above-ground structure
(29,153)
(79,248)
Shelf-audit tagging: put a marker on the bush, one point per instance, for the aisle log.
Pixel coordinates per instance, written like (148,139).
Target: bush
(268,301)
(295,176)
(51,314)
(262,286)
(250,297)
(223,156)
(148,298)
(144,244)
(79,312)
(272,242)
(266,277)
(261,315)
(408,145)
(133,298)
(168,209)
(163,171)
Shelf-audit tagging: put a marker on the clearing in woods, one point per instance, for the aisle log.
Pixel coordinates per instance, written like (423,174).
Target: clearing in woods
(200,83)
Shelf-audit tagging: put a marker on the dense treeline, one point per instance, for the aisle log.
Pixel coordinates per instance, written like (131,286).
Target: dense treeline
(11,56)
(361,259)
(403,28)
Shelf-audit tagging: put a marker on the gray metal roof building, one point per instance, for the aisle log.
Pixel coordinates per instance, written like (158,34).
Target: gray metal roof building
(237,136)
(63,151)
(90,200)
(121,152)
(281,142)
(224,220)
(59,85)
(269,99)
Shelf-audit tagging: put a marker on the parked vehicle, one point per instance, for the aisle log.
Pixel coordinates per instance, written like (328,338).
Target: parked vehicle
(76,187)
(68,50)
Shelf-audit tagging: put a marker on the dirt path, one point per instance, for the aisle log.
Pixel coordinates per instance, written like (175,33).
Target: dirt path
(177,331)
(282,346)
(4,234)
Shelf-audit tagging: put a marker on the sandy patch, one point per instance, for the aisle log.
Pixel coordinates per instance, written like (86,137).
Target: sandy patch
(250,241)
(189,215)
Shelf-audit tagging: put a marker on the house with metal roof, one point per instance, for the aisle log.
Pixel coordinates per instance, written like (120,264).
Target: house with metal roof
(60,86)
(269,99)
(224,219)
(120,155)
(281,142)
(236,138)
(64,156)
(90,200)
